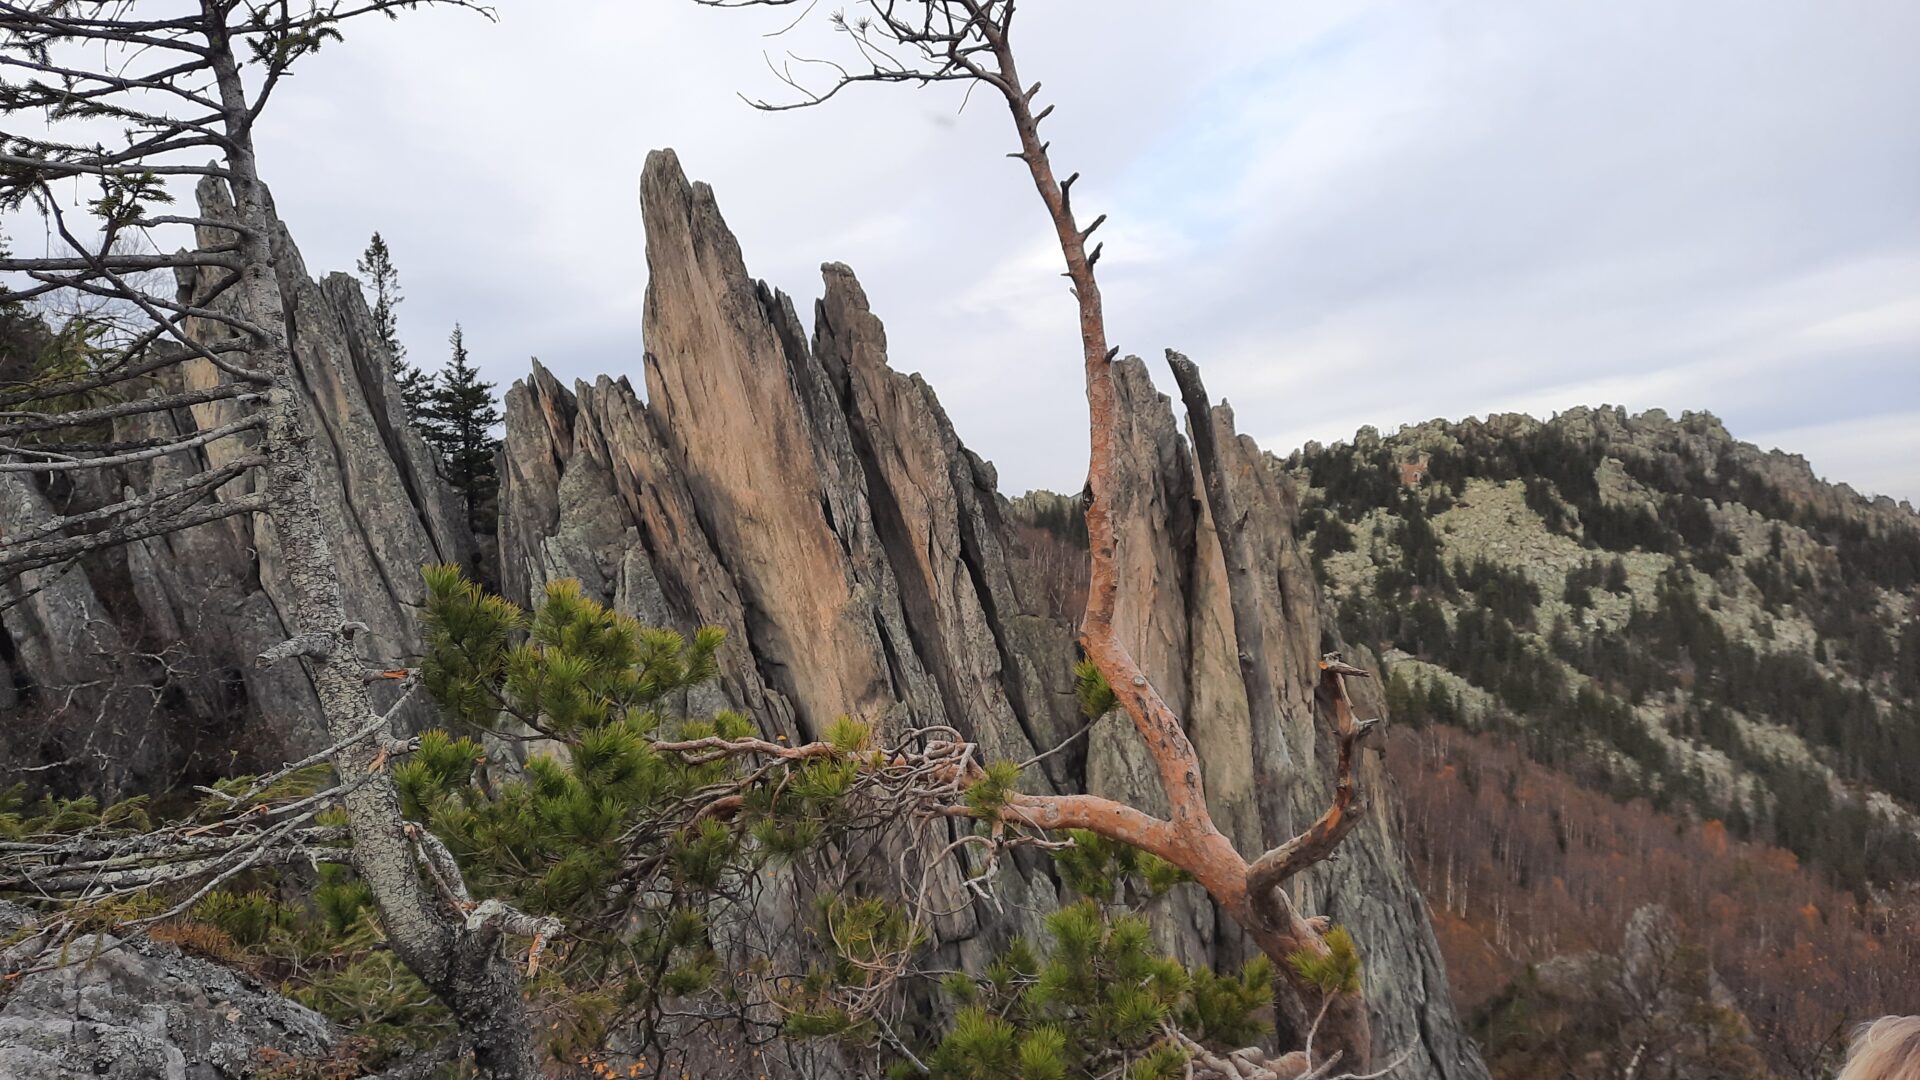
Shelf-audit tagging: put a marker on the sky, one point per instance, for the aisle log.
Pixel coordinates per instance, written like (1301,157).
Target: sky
(1347,213)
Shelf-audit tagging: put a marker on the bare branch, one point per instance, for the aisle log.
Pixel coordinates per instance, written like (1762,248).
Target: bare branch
(194,442)
(14,561)
(137,406)
(1273,869)
(123,262)
(160,501)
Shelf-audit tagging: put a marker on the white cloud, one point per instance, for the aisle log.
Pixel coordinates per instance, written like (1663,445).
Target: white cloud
(1364,213)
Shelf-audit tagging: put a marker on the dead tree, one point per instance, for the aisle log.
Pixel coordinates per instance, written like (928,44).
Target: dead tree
(117,105)
(921,42)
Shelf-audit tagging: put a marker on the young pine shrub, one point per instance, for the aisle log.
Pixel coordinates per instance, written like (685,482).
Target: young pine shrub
(638,850)
(325,951)
(1098,1000)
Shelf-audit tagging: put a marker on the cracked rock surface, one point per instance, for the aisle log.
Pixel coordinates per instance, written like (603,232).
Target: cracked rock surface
(144,1011)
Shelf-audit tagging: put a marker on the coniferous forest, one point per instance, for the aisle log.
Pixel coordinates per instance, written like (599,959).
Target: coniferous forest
(1658,667)
(366,713)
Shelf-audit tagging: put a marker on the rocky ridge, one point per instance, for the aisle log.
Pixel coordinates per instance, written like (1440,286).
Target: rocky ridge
(800,493)
(803,493)
(1746,636)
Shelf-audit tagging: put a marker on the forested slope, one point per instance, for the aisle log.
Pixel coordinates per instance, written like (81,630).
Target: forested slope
(1635,661)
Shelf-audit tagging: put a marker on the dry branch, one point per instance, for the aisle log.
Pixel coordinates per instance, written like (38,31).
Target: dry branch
(970,40)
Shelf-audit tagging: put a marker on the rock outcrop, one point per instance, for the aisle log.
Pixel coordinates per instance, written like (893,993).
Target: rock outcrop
(819,506)
(136,666)
(142,1010)
(1654,1007)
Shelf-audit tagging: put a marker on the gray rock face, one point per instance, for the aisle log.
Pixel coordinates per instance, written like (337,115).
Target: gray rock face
(57,631)
(145,1011)
(819,506)
(136,665)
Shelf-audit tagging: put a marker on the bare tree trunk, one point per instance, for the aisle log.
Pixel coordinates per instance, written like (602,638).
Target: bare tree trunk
(460,961)
(1254,900)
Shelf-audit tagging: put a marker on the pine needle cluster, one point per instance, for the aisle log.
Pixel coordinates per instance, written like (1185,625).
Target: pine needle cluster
(1108,870)
(319,940)
(618,838)
(1098,1000)
(1097,699)
(22,817)
(1336,971)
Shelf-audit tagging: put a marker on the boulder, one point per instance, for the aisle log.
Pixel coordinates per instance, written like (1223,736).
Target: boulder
(141,1010)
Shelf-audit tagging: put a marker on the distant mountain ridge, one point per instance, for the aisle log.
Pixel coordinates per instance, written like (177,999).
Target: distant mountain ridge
(1671,611)
(1722,649)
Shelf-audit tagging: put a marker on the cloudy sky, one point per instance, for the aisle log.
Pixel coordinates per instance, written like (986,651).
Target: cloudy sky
(1349,213)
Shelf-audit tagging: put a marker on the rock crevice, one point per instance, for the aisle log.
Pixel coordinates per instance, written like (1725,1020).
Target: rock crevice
(133,669)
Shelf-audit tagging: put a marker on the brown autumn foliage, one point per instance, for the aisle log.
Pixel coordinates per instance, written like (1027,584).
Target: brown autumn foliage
(1056,566)
(1520,864)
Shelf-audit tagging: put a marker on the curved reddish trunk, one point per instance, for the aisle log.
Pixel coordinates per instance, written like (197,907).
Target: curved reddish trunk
(968,40)
(1189,838)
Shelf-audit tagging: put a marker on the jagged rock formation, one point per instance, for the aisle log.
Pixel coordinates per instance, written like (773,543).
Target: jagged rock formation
(819,506)
(136,666)
(802,495)
(141,1010)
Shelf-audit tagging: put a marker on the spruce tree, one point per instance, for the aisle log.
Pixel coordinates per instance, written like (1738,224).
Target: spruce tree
(378,273)
(458,418)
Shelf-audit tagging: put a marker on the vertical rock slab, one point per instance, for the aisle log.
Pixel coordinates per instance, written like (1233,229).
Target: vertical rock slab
(587,493)
(935,508)
(386,518)
(1368,886)
(191,610)
(538,445)
(769,469)
(72,693)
